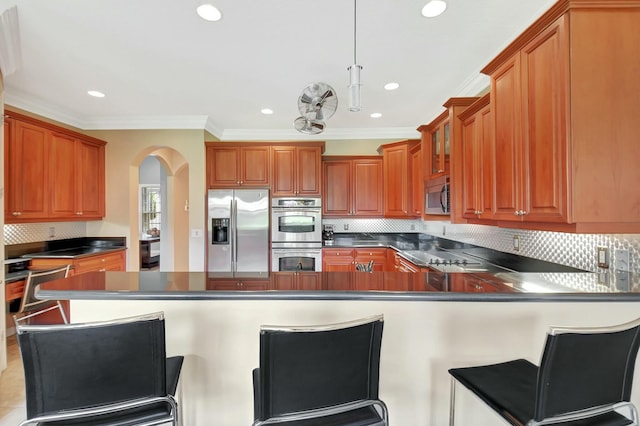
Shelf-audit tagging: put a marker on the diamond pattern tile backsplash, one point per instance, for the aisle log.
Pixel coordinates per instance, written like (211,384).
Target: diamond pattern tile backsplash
(577,250)
(34,232)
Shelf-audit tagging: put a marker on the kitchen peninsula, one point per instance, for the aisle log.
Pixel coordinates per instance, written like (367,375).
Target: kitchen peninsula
(428,329)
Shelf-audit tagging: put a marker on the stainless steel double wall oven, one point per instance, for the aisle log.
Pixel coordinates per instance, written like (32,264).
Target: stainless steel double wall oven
(296,234)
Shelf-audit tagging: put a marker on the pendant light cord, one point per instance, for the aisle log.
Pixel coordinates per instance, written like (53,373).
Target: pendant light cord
(355,11)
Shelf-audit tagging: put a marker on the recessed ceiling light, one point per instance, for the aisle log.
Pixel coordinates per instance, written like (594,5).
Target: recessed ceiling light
(96,94)
(433,8)
(266,111)
(376,115)
(391,86)
(209,12)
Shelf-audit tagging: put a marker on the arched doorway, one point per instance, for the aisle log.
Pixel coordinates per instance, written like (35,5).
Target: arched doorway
(174,239)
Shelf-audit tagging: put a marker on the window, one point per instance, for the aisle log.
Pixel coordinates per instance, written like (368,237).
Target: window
(150,210)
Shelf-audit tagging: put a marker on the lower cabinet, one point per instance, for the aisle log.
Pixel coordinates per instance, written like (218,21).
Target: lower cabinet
(112,261)
(337,260)
(13,290)
(297,281)
(236,284)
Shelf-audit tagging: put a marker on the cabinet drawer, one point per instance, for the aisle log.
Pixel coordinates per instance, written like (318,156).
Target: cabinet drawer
(13,290)
(104,262)
(371,252)
(337,252)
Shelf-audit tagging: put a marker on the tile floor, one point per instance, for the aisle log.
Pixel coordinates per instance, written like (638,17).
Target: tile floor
(12,403)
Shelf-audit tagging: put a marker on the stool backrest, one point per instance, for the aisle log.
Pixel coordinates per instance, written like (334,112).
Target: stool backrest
(303,368)
(588,367)
(71,366)
(29,302)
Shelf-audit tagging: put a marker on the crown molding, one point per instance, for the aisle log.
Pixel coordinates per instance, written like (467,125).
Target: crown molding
(329,134)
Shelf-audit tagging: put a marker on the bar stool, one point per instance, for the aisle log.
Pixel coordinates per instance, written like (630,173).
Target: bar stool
(320,375)
(584,379)
(100,373)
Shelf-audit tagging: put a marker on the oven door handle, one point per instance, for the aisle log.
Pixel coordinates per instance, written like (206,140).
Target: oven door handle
(313,210)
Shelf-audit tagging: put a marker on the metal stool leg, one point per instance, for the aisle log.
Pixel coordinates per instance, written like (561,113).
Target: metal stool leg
(452,403)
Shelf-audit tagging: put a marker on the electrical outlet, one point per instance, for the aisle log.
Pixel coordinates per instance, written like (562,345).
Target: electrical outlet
(413,227)
(346,227)
(444,230)
(622,260)
(196,233)
(603,257)
(516,242)
(52,232)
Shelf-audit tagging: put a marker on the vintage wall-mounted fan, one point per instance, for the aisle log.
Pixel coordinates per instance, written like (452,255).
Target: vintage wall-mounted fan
(317,103)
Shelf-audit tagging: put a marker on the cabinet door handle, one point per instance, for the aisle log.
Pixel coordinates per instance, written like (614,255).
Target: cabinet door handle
(16,213)
(79,213)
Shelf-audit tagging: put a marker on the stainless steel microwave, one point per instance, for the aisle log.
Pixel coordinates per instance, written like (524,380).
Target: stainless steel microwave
(437,197)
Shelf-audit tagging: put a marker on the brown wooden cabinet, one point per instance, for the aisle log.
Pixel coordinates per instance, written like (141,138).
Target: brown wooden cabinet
(352,186)
(476,163)
(530,144)
(397,182)
(235,165)
(26,171)
(51,173)
(365,255)
(417,181)
(565,120)
(237,285)
(76,178)
(337,260)
(296,170)
(111,261)
(297,281)
(441,147)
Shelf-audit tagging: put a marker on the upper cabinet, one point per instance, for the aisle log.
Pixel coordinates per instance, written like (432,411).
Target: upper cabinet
(297,170)
(352,186)
(51,173)
(417,180)
(564,110)
(475,163)
(288,169)
(437,142)
(76,178)
(236,165)
(397,178)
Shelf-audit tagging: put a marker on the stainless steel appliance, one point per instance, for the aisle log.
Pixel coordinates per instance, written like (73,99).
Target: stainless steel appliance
(296,259)
(238,230)
(436,200)
(296,234)
(296,220)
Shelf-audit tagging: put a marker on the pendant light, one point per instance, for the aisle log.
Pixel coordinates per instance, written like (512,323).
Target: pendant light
(354,70)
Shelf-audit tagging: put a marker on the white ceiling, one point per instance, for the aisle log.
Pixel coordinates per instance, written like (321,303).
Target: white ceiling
(161,66)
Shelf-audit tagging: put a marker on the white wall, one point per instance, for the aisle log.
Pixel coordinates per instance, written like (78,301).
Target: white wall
(421,340)
(125,150)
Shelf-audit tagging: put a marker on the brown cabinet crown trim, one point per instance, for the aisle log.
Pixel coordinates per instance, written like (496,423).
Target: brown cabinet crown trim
(547,19)
(50,126)
(232,144)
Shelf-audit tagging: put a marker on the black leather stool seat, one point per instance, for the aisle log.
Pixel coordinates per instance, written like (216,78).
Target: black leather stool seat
(509,388)
(360,417)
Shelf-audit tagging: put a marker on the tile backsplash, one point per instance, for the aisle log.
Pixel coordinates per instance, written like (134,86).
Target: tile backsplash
(34,232)
(577,250)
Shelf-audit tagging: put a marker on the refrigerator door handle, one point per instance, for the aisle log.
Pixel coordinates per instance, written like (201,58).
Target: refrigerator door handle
(234,249)
(232,234)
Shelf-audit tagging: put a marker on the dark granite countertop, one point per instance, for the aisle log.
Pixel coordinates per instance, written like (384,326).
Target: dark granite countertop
(418,248)
(396,286)
(72,248)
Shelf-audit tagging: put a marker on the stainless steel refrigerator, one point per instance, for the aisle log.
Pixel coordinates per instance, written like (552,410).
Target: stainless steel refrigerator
(238,230)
